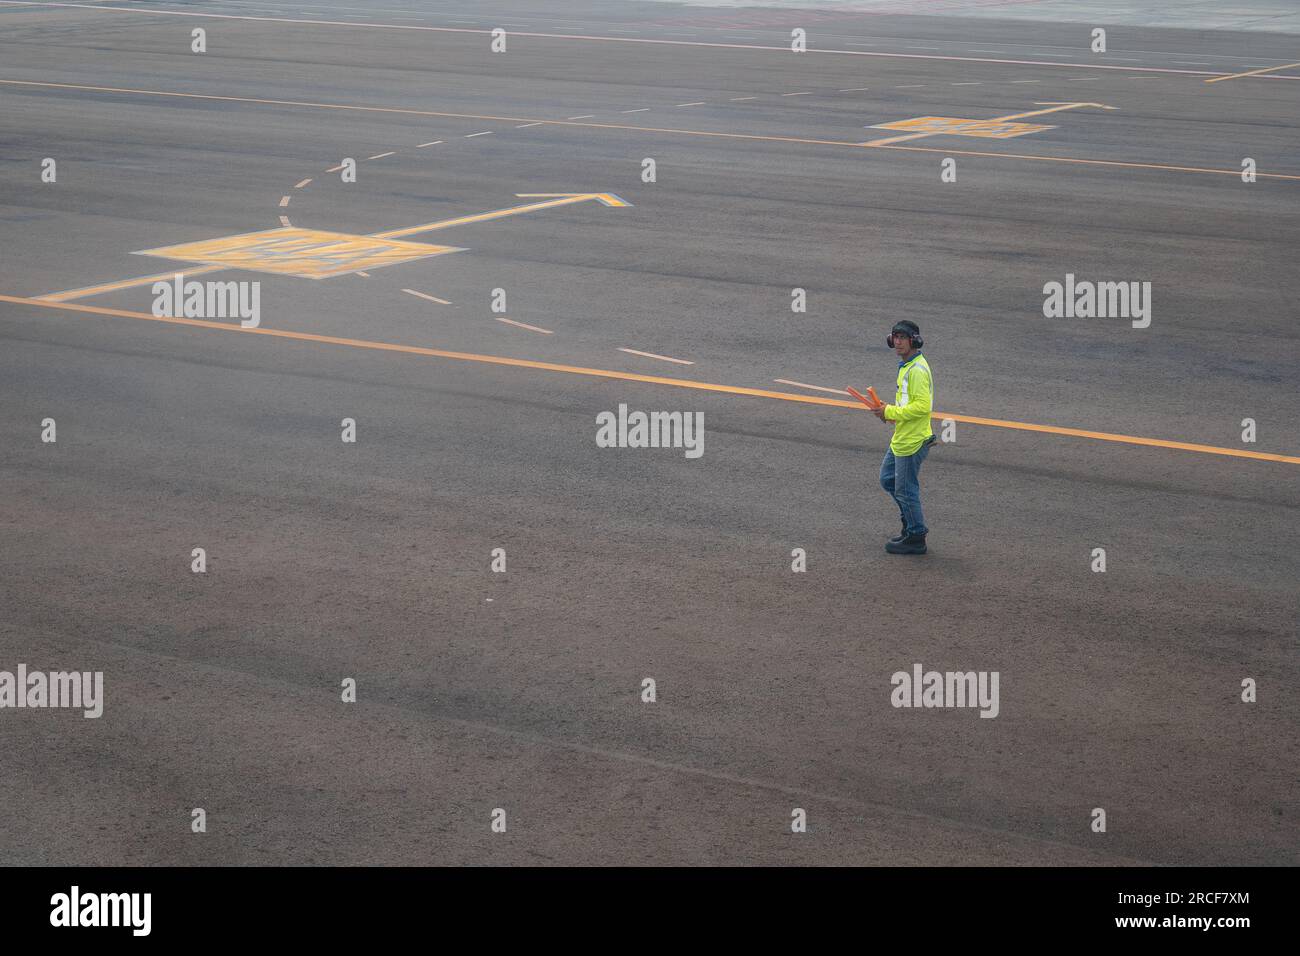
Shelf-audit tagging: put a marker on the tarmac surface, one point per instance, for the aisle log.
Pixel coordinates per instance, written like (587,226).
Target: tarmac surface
(522,690)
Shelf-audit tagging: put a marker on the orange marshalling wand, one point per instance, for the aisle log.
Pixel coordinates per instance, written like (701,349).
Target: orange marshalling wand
(873,405)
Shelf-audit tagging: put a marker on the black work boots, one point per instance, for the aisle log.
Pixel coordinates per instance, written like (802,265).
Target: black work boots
(908,544)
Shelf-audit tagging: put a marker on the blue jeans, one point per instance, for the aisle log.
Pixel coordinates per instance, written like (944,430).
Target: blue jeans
(900,476)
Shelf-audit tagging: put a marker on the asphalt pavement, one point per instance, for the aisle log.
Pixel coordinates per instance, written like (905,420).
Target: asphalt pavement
(523,690)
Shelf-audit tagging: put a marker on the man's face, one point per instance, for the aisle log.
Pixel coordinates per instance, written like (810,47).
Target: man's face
(902,344)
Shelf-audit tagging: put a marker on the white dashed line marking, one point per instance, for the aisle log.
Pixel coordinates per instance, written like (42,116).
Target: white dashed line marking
(334,169)
(585,116)
(526,125)
(284,201)
(911,86)
(662,358)
(644,109)
(301,184)
(855,89)
(381,155)
(809,93)
(1025,81)
(284,221)
(364,275)
(737,99)
(425,295)
(486,132)
(700,103)
(530,328)
(986,51)
(967,84)
(434,143)
(818,388)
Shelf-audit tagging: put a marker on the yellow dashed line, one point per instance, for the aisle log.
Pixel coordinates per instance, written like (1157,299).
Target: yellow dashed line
(634,377)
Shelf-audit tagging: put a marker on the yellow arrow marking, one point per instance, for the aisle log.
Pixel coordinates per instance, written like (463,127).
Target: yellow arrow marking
(563,199)
(1267,69)
(635,377)
(1055,108)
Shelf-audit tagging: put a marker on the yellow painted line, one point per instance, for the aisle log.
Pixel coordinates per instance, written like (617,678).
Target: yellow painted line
(1237,76)
(816,388)
(523,325)
(634,377)
(425,295)
(127,283)
(644,129)
(662,358)
(301,184)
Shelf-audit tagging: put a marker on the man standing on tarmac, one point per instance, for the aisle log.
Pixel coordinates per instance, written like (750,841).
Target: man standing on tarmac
(900,471)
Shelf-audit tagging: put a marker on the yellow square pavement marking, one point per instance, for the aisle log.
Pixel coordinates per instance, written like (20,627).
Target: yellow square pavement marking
(306,253)
(950,125)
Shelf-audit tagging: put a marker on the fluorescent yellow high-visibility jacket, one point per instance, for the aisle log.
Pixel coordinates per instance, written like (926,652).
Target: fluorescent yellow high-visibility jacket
(913,404)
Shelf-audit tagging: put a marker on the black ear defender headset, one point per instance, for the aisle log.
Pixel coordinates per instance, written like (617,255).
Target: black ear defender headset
(910,329)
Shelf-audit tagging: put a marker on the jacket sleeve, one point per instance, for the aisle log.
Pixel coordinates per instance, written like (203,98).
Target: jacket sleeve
(919,401)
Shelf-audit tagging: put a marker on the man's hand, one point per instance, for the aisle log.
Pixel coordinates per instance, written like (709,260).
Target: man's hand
(880,412)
